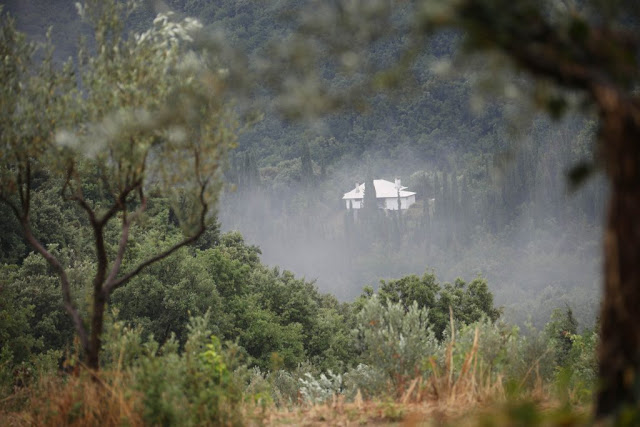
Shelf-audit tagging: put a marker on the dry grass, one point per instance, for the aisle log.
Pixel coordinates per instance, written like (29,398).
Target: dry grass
(339,413)
(83,400)
(444,399)
(467,395)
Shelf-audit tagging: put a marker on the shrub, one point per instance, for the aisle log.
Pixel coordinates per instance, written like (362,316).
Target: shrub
(395,342)
(203,385)
(366,379)
(315,391)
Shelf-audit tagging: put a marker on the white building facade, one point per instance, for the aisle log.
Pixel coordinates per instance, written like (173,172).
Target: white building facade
(388,194)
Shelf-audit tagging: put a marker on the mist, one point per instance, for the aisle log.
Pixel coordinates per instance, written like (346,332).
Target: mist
(510,219)
(506,215)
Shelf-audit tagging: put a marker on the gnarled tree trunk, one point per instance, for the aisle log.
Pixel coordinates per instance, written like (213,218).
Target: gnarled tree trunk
(619,352)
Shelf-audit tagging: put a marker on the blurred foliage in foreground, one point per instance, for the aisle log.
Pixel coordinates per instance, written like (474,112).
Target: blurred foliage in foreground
(398,371)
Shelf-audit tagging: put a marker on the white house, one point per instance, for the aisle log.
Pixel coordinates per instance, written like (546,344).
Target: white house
(387,194)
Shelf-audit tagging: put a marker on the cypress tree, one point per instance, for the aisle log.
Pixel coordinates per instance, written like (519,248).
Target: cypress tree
(369,212)
(437,194)
(446,196)
(467,214)
(370,199)
(455,196)
(306,167)
(254,173)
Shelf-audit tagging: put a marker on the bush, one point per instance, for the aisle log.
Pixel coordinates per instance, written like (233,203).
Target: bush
(203,385)
(396,343)
(578,378)
(315,391)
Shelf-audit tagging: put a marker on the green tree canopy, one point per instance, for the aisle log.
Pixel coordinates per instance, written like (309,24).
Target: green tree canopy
(137,116)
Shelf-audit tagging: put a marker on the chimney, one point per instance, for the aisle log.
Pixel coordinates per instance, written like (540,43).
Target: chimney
(357,188)
(398,184)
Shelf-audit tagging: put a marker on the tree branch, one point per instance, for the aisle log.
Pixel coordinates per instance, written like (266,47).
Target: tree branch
(111,286)
(79,198)
(120,202)
(28,190)
(23,218)
(21,189)
(69,305)
(124,238)
(101,254)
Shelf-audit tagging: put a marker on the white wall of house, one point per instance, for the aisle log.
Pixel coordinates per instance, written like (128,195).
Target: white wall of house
(409,201)
(355,204)
(391,203)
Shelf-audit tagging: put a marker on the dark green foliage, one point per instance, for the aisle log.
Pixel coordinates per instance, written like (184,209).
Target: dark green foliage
(267,312)
(210,238)
(468,302)
(33,287)
(266,336)
(370,203)
(164,298)
(12,246)
(204,384)
(485,180)
(423,290)
(561,330)
(306,166)
(16,339)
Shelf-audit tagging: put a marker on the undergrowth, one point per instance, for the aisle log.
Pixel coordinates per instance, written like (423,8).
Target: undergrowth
(403,373)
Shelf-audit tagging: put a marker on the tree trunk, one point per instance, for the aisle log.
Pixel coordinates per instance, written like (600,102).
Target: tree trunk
(95,342)
(620,316)
(619,352)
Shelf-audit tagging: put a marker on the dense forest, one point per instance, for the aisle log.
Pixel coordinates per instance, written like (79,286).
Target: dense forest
(210,230)
(503,208)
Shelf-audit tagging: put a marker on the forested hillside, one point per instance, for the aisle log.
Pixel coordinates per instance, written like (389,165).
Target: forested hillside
(503,209)
(141,131)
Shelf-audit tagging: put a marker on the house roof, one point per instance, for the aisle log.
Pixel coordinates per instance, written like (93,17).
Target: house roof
(384,190)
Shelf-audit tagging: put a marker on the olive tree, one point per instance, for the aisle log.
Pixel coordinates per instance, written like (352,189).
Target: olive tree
(135,115)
